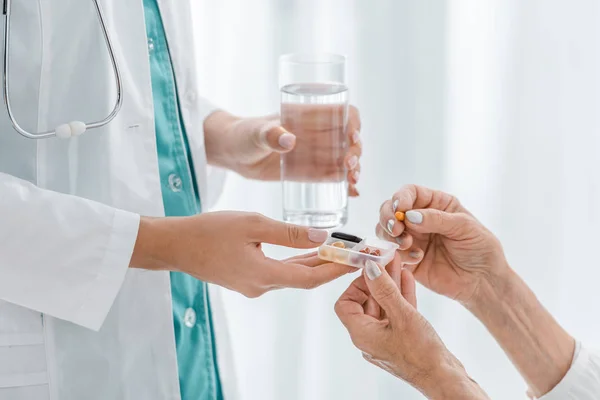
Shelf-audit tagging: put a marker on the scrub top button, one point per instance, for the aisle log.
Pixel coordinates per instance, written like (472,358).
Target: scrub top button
(189,319)
(175,183)
(191,96)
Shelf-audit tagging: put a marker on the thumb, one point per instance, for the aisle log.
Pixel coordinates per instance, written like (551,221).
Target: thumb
(266,230)
(383,288)
(272,136)
(430,220)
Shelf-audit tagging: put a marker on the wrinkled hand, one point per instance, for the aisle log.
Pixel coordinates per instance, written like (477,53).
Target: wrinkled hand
(394,336)
(316,145)
(456,252)
(224,248)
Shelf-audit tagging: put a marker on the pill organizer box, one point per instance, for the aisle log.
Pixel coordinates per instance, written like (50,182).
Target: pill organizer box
(351,255)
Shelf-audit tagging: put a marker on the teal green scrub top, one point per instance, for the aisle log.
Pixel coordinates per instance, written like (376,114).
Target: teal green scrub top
(196,354)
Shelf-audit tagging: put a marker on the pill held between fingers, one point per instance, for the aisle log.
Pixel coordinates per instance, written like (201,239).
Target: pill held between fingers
(400,216)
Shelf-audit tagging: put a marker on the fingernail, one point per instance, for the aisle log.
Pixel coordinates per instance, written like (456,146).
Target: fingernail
(356,175)
(395,206)
(287,141)
(415,254)
(390,226)
(317,235)
(356,137)
(372,269)
(414,216)
(353,162)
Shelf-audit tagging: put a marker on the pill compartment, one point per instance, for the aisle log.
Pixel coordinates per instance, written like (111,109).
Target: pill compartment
(351,253)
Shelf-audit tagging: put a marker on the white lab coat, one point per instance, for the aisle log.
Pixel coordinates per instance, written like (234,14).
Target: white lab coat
(75,322)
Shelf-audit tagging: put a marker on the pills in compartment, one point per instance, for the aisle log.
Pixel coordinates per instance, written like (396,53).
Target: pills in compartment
(372,252)
(355,251)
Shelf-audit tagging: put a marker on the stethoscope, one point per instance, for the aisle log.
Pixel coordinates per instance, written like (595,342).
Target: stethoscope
(71,129)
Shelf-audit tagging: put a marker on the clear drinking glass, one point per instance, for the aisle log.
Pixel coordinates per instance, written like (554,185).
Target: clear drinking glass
(314,107)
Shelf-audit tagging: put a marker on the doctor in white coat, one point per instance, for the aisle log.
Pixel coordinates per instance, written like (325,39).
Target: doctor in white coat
(85,302)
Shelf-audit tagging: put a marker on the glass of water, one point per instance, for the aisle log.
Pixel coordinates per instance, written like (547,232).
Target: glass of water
(314,107)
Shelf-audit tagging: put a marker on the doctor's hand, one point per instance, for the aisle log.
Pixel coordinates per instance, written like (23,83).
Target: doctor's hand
(252,147)
(456,252)
(394,336)
(224,248)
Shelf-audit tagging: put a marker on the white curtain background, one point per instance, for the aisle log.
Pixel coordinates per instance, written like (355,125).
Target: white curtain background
(496,101)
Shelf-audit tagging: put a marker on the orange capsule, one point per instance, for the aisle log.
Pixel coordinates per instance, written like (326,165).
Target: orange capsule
(339,245)
(399,216)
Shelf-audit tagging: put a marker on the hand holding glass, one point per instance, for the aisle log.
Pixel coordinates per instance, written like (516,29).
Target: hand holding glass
(314,107)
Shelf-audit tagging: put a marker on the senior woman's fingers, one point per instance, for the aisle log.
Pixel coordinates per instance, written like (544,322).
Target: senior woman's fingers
(411,258)
(372,308)
(409,252)
(394,269)
(452,225)
(388,221)
(405,240)
(384,290)
(411,197)
(350,310)
(408,287)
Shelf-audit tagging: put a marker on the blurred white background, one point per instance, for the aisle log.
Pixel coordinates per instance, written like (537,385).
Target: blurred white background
(496,101)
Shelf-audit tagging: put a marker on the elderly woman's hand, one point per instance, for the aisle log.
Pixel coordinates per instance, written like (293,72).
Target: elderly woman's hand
(396,338)
(448,250)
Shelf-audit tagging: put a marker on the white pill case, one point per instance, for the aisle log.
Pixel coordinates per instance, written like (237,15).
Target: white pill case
(351,253)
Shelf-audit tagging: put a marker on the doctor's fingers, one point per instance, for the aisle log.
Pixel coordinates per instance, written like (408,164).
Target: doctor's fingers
(354,175)
(354,126)
(302,257)
(308,260)
(352,157)
(353,178)
(272,136)
(282,275)
(265,230)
